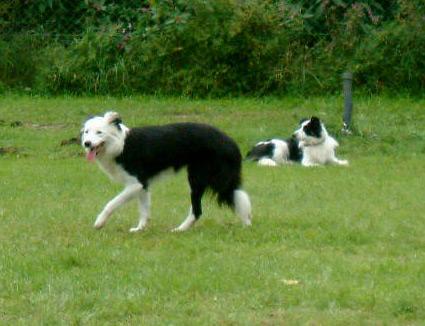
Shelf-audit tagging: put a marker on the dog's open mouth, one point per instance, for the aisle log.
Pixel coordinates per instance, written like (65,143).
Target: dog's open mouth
(94,151)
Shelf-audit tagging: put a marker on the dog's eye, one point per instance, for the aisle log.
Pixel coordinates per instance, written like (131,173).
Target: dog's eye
(86,132)
(98,132)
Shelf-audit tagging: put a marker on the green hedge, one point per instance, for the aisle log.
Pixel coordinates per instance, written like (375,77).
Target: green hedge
(212,48)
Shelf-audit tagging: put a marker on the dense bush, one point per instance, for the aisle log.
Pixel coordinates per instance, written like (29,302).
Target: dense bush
(394,56)
(219,47)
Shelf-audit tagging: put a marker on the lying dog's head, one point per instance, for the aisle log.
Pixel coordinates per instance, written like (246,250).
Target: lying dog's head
(311,132)
(103,136)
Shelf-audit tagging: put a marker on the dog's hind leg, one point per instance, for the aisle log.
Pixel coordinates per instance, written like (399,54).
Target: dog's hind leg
(265,161)
(144,210)
(195,211)
(187,223)
(198,187)
(127,194)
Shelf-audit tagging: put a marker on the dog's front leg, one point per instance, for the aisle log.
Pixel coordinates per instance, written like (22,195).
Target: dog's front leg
(127,194)
(308,163)
(339,162)
(144,210)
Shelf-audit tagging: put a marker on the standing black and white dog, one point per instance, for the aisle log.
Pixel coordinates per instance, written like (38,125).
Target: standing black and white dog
(136,156)
(310,144)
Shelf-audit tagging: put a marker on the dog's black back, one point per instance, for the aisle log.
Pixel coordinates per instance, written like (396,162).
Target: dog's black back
(212,158)
(259,151)
(295,152)
(267,148)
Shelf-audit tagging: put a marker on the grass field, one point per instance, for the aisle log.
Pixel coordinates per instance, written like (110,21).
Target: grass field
(328,245)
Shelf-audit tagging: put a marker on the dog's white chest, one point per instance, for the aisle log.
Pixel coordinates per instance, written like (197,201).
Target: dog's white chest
(116,173)
(322,153)
(317,154)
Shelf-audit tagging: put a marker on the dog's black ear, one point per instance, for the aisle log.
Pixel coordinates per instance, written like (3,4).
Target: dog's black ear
(315,120)
(117,121)
(113,118)
(315,126)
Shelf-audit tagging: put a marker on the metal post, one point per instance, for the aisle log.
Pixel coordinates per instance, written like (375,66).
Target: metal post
(347,78)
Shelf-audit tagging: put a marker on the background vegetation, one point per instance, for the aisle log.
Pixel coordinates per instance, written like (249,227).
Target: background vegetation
(211,48)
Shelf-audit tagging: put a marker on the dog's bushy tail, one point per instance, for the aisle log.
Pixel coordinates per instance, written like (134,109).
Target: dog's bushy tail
(225,184)
(228,189)
(239,201)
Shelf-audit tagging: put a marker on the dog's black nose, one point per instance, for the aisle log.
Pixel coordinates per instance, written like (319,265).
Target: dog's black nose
(87,143)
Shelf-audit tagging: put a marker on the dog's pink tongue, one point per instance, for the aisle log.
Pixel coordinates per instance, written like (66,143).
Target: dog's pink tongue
(91,155)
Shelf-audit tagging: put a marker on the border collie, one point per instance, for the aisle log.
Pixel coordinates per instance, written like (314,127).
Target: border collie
(136,156)
(310,144)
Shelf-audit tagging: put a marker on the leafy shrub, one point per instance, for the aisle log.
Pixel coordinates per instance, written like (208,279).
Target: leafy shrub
(19,58)
(90,65)
(211,48)
(393,57)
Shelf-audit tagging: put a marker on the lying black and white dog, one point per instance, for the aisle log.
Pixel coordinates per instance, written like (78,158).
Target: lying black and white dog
(310,144)
(136,156)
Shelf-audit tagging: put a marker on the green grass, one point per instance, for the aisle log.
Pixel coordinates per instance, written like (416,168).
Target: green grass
(352,237)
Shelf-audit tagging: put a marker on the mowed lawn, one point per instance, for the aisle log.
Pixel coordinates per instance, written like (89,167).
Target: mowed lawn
(328,245)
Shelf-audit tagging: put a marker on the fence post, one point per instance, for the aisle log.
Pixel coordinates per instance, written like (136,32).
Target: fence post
(347,79)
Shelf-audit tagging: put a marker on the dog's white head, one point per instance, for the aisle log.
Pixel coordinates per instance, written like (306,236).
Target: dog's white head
(311,132)
(103,136)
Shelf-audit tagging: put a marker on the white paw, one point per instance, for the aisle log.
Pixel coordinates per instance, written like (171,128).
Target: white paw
(178,229)
(182,228)
(248,223)
(309,165)
(137,229)
(99,224)
(186,225)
